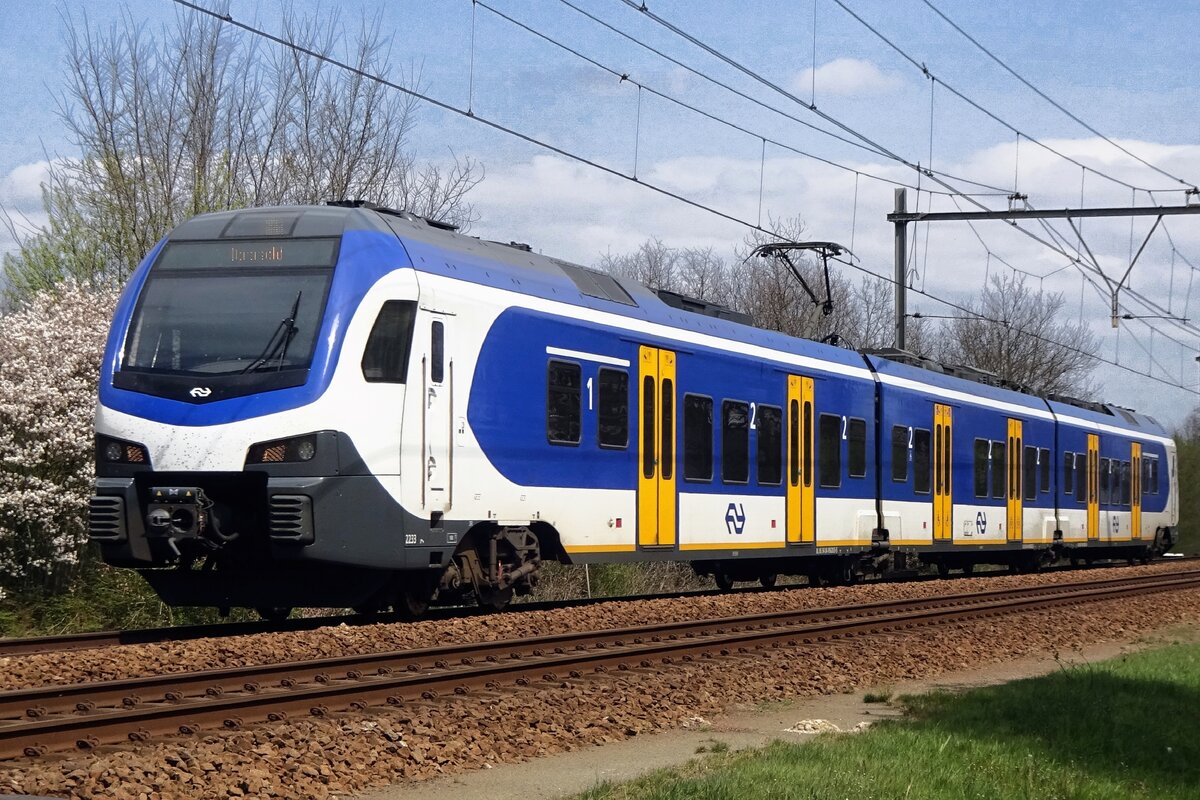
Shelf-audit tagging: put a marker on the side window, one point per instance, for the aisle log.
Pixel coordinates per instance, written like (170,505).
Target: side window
(770,444)
(1031,473)
(385,358)
(856,438)
(649,416)
(563,410)
(1126,483)
(899,453)
(1044,468)
(1081,477)
(612,407)
(1104,480)
(1068,474)
(1154,475)
(999,469)
(982,459)
(697,438)
(735,441)
(437,354)
(921,460)
(829,452)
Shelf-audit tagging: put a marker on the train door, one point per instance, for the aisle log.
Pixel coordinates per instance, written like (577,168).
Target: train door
(801,501)
(1093,488)
(437,375)
(656,448)
(943,507)
(1016,453)
(1135,493)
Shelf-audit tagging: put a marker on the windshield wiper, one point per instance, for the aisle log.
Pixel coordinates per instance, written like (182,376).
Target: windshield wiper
(281,337)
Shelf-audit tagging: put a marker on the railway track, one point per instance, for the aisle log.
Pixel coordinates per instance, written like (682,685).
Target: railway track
(55,718)
(184,633)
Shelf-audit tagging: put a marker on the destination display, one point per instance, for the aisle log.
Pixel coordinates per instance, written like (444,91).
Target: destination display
(249,253)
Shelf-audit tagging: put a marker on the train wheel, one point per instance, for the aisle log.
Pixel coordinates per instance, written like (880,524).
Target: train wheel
(277,614)
(968,569)
(412,603)
(496,600)
(768,581)
(943,569)
(724,582)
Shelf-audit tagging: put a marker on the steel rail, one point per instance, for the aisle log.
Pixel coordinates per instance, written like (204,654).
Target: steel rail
(494,663)
(182,633)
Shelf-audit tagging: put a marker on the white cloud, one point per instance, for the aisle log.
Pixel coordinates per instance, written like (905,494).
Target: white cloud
(848,76)
(21,201)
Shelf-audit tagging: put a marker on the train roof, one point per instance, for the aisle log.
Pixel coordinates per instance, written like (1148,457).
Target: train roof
(438,248)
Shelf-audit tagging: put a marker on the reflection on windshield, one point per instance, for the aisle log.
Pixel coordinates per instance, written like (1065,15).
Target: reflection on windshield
(218,323)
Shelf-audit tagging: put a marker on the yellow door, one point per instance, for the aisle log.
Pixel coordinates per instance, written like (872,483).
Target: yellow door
(1093,487)
(1016,456)
(1135,495)
(801,505)
(943,506)
(656,448)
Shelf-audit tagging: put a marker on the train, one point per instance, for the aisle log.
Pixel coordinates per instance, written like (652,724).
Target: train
(356,407)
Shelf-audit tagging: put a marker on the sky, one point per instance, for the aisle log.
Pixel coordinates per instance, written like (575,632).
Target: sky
(1120,67)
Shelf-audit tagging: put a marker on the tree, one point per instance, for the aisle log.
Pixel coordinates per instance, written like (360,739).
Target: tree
(1024,338)
(195,118)
(50,352)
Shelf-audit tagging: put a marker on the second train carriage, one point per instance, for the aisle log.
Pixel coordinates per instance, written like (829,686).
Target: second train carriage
(349,406)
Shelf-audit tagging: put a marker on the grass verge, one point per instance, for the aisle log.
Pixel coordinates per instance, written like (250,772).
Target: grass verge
(1126,728)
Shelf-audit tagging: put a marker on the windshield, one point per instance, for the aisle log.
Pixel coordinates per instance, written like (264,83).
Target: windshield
(221,308)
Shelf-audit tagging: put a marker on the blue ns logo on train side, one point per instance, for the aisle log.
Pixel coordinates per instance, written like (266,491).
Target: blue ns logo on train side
(981,523)
(735,519)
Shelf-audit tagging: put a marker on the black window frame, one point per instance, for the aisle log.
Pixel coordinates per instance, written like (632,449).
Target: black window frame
(388,348)
(1105,481)
(1029,478)
(999,470)
(762,449)
(437,352)
(1044,471)
(927,472)
(551,389)
(601,409)
(903,430)
(829,458)
(1068,473)
(728,454)
(1126,483)
(856,447)
(982,465)
(689,444)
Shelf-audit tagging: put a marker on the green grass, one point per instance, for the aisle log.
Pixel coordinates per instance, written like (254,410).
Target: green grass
(1128,728)
(107,599)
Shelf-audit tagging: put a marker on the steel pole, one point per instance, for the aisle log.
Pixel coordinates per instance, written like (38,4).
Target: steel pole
(901,266)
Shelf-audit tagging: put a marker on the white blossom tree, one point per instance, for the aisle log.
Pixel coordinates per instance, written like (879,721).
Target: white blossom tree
(50,353)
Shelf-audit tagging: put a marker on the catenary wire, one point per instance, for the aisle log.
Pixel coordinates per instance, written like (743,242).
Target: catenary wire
(977,106)
(255,31)
(1051,100)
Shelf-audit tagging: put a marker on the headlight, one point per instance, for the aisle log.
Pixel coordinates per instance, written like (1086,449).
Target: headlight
(297,448)
(116,451)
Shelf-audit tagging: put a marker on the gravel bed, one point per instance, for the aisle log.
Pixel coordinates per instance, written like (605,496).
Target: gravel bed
(345,754)
(131,661)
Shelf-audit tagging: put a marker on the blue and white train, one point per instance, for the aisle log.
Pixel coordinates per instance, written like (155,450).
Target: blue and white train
(349,406)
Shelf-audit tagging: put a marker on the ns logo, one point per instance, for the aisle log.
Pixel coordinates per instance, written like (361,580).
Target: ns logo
(200,391)
(735,519)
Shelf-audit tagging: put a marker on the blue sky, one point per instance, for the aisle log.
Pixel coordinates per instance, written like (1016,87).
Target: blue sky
(1123,67)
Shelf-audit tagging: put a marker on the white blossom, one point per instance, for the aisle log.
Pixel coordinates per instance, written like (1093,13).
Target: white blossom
(50,354)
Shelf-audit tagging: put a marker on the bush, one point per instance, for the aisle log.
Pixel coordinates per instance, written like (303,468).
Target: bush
(50,353)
